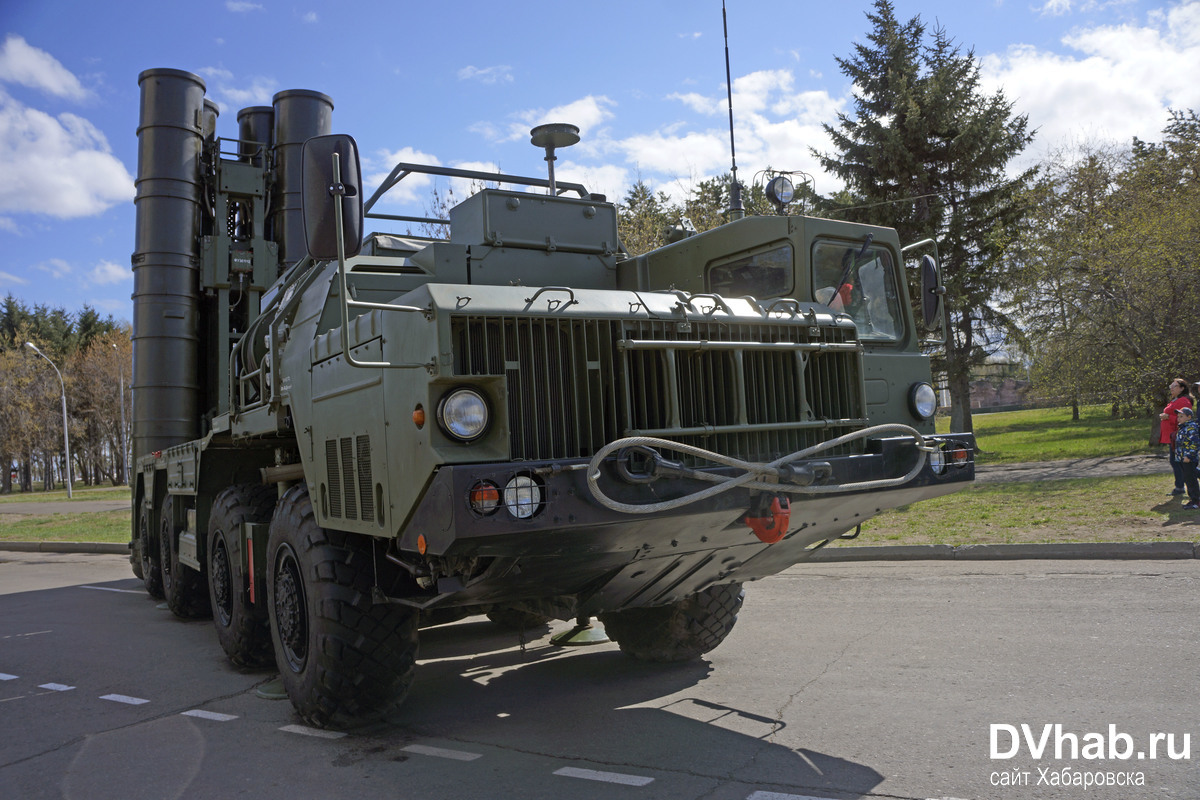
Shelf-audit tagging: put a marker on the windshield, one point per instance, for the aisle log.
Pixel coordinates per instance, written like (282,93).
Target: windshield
(762,275)
(861,282)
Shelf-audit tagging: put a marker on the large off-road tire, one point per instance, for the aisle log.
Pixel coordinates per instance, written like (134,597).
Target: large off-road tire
(244,636)
(183,587)
(148,554)
(342,658)
(678,632)
(516,619)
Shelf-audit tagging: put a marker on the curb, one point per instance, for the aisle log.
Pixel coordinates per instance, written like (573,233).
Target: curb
(66,547)
(1011,552)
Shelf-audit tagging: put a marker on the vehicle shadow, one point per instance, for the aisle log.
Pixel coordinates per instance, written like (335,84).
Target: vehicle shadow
(596,706)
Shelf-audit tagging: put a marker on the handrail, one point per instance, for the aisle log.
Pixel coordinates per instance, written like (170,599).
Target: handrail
(403,169)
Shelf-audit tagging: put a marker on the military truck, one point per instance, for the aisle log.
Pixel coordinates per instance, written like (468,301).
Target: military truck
(344,435)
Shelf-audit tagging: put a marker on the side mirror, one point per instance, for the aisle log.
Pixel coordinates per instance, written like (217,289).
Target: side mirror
(329,197)
(931,292)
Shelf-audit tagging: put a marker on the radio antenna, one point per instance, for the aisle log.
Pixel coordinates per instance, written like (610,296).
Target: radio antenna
(735,189)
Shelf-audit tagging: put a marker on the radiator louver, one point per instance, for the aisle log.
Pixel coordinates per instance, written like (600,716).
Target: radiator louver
(754,391)
(348,476)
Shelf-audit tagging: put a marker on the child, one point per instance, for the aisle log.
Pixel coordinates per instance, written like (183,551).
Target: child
(1187,450)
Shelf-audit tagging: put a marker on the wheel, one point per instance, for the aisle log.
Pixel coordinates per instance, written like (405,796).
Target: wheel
(678,632)
(148,555)
(135,558)
(183,587)
(342,658)
(244,636)
(517,619)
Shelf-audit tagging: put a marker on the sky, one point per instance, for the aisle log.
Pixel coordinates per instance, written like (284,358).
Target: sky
(461,83)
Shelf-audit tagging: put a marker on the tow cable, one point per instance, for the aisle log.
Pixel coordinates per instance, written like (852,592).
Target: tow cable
(769,522)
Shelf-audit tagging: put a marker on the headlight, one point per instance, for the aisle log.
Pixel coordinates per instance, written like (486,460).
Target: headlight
(922,401)
(463,414)
(780,191)
(522,496)
(937,461)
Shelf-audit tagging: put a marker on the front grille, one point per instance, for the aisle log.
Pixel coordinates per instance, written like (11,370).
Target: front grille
(754,391)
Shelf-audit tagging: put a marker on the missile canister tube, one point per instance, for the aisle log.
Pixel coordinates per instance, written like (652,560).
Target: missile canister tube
(256,133)
(166,389)
(299,115)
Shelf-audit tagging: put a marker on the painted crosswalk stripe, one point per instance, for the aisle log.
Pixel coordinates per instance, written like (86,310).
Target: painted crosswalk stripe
(304,730)
(4,676)
(440,752)
(607,777)
(124,698)
(56,687)
(111,589)
(212,715)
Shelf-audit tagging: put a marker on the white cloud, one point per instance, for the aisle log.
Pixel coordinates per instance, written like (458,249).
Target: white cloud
(310,18)
(238,7)
(413,189)
(107,272)
(611,180)
(237,93)
(700,103)
(9,224)
(1056,8)
(775,127)
(501,73)
(10,279)
(59,166)
(1112,82)
(586,113)
(55,267)
(25,65)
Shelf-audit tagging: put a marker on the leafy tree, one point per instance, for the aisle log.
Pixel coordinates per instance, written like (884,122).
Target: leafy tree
(30,395)
(926,153)
(643,218)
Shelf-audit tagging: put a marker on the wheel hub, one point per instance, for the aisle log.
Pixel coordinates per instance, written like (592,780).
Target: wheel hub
(221,582)
(290,613)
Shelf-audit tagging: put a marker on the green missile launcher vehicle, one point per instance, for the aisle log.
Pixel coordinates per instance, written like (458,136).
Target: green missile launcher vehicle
(343,435)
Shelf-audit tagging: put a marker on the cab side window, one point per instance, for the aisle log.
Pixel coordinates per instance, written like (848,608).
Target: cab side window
(860,283)
(761,275)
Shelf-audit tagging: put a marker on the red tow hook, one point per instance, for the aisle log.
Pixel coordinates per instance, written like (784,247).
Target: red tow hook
(773,528)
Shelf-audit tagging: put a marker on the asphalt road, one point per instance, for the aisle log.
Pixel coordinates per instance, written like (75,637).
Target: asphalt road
(840,681)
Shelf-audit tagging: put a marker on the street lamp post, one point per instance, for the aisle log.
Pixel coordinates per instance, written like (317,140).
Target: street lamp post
(121,388)
(66,438)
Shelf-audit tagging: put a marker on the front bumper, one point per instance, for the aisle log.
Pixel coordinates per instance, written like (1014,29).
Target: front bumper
(574,546)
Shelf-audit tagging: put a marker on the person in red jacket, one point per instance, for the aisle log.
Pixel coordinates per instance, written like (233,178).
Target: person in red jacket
(1179,399)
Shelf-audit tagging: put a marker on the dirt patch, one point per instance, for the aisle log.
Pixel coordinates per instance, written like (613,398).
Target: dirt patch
(1113,467)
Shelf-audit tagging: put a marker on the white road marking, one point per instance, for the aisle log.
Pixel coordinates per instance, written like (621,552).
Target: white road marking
(304,730)
(56,687)
(20,635)
(607,777)
(213,715)
(4,676)
(110,589)
(439,752)
(124,698)
(778,796)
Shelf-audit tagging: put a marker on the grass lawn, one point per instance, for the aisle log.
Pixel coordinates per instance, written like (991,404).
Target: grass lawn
(60,495)
(94,526)
(1048,434)
(1127,509)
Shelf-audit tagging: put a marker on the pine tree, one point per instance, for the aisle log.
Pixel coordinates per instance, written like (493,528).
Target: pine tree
(926,153)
